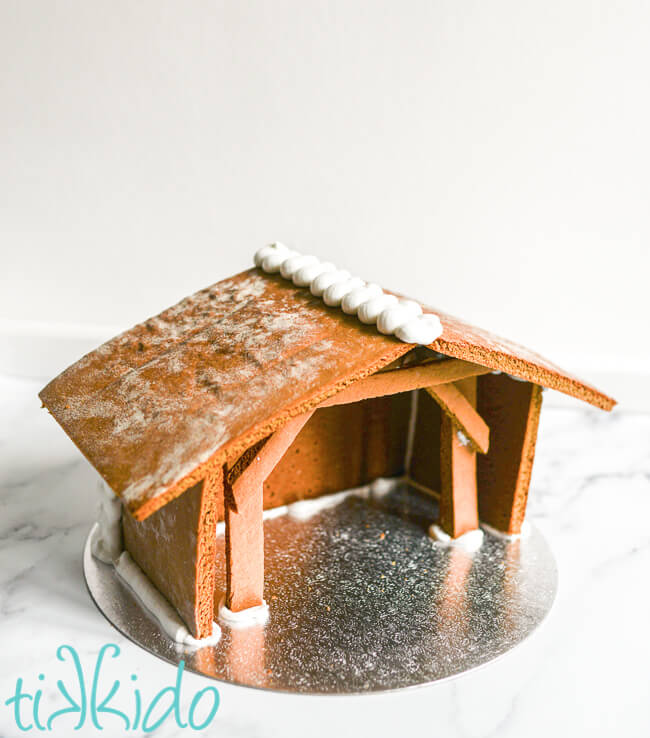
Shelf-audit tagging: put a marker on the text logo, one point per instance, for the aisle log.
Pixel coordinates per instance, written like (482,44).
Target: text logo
(86,703)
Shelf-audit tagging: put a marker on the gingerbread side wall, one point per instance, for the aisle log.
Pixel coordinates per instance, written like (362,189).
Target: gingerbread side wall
(175,547)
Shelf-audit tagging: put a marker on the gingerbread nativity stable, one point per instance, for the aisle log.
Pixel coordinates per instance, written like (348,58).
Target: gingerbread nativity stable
(253,393)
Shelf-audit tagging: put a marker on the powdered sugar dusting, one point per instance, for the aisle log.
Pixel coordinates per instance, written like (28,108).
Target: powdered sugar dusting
(157,422)
(147,340)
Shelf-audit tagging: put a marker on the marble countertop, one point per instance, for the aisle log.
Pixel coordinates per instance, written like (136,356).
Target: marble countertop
(584,672)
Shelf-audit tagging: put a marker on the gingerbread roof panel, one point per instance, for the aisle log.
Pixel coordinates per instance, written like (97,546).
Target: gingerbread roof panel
(202,381)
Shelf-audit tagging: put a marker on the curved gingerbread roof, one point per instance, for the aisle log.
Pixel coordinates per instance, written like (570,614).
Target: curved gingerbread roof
(155,407)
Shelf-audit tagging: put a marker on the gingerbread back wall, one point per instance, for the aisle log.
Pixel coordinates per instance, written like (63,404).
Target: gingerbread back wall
(342,447)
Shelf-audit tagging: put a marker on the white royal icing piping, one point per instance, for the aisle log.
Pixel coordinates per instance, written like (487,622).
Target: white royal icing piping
(370,310)
(525,532)
(338,288)
(307,274)
(256,615)
(323,281)
(390,320)
(470,541)
(419,330)
(334,294)
(291,265)
(463,439)
(106,543)
(355,298)
(158,606)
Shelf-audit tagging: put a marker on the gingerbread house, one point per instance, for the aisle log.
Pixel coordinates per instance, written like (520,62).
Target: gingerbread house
(259,391)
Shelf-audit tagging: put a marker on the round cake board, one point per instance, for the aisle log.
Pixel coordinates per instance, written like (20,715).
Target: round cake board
(361,600)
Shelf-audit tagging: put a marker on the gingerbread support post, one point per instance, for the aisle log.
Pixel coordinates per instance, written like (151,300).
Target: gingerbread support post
(244,546)
(458,491)
(244,502)
(511,408)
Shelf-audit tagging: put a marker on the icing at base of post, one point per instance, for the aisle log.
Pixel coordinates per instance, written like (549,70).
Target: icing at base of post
(525,532)
(151,599)
(470,541)
(257,615)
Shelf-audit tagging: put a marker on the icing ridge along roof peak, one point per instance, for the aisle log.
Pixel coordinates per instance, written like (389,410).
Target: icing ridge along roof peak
(395,316)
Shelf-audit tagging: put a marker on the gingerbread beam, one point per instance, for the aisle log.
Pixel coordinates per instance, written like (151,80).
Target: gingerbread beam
(511,408)
(405,380)
(456,406)
(458,488)
(244,524)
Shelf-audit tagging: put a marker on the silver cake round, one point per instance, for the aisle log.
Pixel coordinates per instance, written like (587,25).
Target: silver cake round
(361,600)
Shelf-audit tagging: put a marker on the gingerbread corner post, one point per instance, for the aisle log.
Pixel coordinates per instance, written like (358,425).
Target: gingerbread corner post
(511,408)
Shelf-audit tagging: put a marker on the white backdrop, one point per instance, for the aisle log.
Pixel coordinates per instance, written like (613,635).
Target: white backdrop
(488,158)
